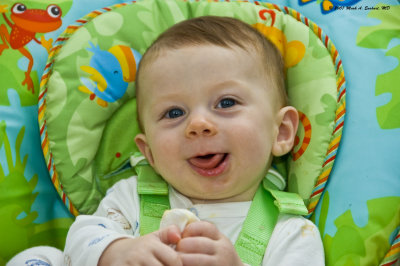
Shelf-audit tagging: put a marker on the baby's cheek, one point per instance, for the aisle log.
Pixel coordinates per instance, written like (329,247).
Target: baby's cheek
(163,145)
(253,138)
(166,159)
(257,147)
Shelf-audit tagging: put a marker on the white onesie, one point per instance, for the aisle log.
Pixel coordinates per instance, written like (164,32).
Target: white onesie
(294,241)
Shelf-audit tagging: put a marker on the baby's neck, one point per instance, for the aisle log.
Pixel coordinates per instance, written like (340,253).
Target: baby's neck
(242,198)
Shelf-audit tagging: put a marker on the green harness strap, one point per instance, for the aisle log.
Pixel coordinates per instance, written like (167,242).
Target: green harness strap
(153,192)
(256,230)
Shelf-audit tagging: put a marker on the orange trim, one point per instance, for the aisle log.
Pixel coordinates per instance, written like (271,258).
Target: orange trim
(317,192)
(44,141)
(338,66)
(62,39)
(341,94)
(276,7)
(340,84)
(319,182)
(42,106)
(334,147)
(335,55)
(338,127)
(329,160)
(340,114)
(42,129)
(42,94)
(49,164)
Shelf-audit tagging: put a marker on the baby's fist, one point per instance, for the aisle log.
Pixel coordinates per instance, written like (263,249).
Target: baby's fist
(203,244)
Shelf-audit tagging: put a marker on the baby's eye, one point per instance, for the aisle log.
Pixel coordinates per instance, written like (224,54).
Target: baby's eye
(226,103)
(174,113)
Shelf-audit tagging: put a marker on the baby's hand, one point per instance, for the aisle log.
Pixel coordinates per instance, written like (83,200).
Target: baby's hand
(151,249)
(203,244)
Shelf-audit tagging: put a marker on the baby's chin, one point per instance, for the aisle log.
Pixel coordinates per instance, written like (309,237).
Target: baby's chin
(212,199)
(201,197)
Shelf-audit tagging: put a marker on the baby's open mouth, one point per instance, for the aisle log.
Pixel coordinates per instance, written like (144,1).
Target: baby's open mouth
(209,164)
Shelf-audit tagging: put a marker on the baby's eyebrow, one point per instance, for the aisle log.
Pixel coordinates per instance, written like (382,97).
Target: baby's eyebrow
(227,83)
(159,103)
(166,97)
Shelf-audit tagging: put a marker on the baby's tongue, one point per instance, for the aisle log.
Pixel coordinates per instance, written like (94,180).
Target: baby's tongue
(207,162)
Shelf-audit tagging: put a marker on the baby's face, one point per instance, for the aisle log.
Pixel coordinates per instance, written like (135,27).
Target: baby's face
(209,120)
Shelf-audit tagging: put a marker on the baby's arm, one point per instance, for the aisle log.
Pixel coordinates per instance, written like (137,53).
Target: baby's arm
(89,243)
(295,241)
(203,244)
(151,249)
(113,229)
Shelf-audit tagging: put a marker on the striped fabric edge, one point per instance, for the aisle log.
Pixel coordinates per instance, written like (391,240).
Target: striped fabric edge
(42,99)
(393,255)
(335,139)
(330,155)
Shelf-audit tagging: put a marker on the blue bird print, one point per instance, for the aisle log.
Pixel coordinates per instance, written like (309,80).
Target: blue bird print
(109,73)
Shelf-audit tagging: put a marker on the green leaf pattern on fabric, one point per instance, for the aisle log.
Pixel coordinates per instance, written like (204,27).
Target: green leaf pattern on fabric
(378,37)
(349,245)
(17,218)
(77,112)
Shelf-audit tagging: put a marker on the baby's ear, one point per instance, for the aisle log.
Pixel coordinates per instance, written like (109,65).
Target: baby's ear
(288,120)
(144,148)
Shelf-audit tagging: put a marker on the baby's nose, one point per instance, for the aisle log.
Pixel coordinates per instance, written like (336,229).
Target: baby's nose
(200,126)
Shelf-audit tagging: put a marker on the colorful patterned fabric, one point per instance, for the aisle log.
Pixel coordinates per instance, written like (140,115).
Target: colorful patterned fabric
(356,203)
(58,137)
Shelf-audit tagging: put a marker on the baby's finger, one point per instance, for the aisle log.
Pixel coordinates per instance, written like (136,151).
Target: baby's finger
(149,261)
(201,228)
(200,245)
(196,260)
(167,256)
(169,235)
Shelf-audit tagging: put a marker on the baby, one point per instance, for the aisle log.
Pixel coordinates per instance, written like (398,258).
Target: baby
(213,110)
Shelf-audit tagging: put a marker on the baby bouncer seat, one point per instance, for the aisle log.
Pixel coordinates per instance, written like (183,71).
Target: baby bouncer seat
(86,108)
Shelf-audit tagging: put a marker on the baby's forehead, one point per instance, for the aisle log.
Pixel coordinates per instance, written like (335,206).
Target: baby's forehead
(158,61)
(191,58)
(153,57)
